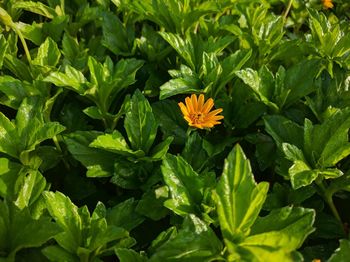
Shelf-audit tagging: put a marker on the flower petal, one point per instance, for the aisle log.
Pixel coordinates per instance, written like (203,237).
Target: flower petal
(200,103)
(219,117)
(189,105)
(208,106)
(194,103)
(183,109)
(188,119)
(215,112)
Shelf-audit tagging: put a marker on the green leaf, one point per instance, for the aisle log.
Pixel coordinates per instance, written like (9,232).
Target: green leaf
(331,144)
(3,49)
(115,143)
(8,175)
(239,199)
(93,112)
(19,68)
(8,137)
(79,226)
(19,230)
(164,237)
(185,85)
(152,44)
(194,152)
(99,163)
(195,241)
(170,120)
(48,54)
(152,203)
(127,255)
(115,36)
(31,128)
(124,215)
(301,174)
(107,80)
(35,7)
(31,186)
(342,253)
(301,80)
(231,64)
(285,228)
(159,151)
(185,81)
(31,32)
(262,83)
(71,79)
(15,91)
(185,185)
(57,254)
(140,124)
(66,215)
(284,130)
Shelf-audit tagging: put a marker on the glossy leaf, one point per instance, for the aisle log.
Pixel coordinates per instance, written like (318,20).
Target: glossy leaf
(98,163)
(185,185)
(342,253)
(194,242)
(48,54)
(140,124)
(239,198)
(19,230)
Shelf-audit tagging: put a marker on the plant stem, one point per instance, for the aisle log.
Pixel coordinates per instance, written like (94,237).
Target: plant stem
(329,200)
(288,9)
(25,47)
(334,210)
(57,144)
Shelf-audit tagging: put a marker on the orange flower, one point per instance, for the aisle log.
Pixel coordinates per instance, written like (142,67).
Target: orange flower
(327,4)
(197,114)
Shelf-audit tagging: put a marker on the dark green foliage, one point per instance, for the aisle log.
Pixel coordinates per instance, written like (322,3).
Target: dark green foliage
(97,162)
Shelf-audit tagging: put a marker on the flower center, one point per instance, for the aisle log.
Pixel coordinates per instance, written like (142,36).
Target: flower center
(197,118)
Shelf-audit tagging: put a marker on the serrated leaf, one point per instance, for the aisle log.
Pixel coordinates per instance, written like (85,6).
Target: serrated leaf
(284,130)
(285,228)
(115,36)
(115,143)
(3,48)
(99,163)
(168,115)
(56,253)
(152,203)
(185,185)
(48,54)
(195,241)
(66,215)
(8,137)
(239,199)
(33,32)
(124,215)
(35,7)
(126,255)
(30,188)
(71,79)
(31,128)
(21,230)
(158,152)
(140,124)
(342,253)
(8,175)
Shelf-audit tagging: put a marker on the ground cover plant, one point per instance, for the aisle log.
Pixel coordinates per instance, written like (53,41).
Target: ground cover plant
(174,130)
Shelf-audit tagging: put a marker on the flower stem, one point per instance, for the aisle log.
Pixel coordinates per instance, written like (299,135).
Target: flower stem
(329,200)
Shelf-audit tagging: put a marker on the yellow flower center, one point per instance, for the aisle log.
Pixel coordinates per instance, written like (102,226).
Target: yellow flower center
(197,118)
